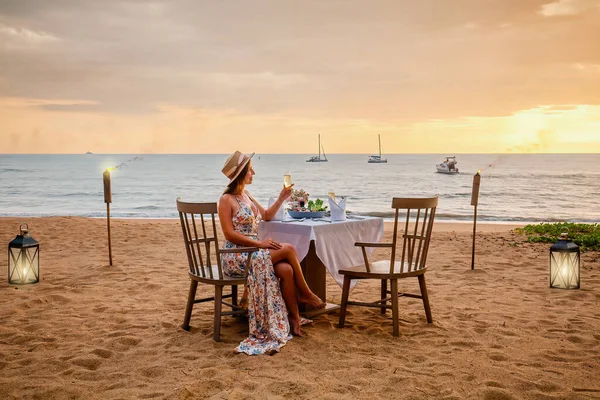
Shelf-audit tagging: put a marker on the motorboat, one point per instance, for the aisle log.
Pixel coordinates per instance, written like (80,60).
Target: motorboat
(318,158)
(448,166)
(377,159)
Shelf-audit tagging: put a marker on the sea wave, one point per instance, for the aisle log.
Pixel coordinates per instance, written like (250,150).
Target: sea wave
(147,208)
(74,194)
(17,170)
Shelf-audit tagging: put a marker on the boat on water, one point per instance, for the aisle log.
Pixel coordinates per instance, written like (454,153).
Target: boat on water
(377,159)
(448,166)
(89,152)
(318,158)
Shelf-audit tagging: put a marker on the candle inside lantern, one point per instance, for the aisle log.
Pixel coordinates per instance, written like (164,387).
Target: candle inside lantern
(565,264)
(23,258)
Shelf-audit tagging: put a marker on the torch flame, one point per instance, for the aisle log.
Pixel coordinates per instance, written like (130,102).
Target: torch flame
(478,172)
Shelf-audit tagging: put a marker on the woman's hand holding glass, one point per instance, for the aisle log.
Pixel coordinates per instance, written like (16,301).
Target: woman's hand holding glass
(286,192)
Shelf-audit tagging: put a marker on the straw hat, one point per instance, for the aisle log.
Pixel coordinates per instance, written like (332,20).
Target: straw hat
(235,164)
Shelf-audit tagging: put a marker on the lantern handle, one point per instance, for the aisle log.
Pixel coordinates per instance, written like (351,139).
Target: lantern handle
(26,227)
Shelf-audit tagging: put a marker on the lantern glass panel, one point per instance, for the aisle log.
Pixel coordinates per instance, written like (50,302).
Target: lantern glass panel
(564,270)
(23,265)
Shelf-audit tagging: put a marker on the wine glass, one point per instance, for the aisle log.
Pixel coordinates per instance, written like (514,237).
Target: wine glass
(287,180)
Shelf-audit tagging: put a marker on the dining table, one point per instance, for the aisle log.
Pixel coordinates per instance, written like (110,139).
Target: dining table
(324,246)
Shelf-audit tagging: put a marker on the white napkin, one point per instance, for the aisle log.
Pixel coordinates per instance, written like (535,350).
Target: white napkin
(338,210)
(279,214)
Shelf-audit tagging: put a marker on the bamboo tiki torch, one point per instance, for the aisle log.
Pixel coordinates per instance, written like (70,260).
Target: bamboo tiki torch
(108,200)
(474,202)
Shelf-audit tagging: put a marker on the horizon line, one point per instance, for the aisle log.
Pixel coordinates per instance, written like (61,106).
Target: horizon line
(296,154)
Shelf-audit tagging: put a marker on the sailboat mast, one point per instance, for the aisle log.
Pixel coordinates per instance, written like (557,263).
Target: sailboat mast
(319,146)
(379,136)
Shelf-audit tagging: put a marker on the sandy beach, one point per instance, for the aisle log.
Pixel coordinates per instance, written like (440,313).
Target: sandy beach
(88,330)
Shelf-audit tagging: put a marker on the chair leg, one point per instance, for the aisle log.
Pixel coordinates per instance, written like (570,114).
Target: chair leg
(383,294)
(344,305)
(218,308)
(234,295)
(190,305)
(425,298)
(395,317)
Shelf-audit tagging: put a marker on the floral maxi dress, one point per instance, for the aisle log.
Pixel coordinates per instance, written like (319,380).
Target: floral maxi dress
(267,313)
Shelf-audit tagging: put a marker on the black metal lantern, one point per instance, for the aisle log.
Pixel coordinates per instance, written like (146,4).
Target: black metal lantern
(23,258)
(564,264)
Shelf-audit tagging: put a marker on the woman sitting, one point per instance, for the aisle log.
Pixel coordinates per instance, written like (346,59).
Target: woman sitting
(240,214)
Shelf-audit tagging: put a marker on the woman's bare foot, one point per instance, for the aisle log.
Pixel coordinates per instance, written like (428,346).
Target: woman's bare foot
(312,300)
(295,326)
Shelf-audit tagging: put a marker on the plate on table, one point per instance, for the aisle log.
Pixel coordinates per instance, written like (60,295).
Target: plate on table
(306,214)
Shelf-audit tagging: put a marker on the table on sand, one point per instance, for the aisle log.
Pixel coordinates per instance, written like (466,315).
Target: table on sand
(325,245)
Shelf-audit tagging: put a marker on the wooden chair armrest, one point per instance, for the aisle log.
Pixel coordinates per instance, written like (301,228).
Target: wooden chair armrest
(374,244)
(239,250)
(362,245)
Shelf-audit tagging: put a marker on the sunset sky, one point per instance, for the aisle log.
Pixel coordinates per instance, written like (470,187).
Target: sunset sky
(185,76)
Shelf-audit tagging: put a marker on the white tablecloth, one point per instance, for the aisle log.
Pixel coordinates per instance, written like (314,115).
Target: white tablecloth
(334,241)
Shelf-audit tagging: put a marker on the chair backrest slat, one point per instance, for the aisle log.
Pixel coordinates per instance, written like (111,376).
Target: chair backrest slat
(415,242)
(394,241)
(216,240)
(421,237)
(404,246)
(429,230)
(192,265)
(196,265)
(195,238)
(207,245)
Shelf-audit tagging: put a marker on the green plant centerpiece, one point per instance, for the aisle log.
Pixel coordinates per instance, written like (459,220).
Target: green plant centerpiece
(316,205)
(302,207)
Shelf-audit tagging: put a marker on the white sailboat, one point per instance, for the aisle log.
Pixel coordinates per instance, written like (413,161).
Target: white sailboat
(377,159)
(318,158)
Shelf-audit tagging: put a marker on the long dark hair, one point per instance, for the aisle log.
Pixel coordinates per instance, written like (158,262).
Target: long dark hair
(232,187)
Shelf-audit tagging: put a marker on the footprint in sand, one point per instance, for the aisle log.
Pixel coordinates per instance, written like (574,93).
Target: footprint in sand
(102,353)
(463,343)
(494,394)
(575,339)
(91,364)
(125,342)
(153,372)
(57,298)
(494,384)
(497,357)
(152,395)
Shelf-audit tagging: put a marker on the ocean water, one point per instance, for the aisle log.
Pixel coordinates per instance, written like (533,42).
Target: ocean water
(515,187)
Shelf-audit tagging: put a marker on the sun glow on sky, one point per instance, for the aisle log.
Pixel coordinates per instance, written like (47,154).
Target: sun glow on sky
(461,77)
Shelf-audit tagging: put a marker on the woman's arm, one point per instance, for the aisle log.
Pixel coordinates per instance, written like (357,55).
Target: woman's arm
(225,209)
(270,212)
